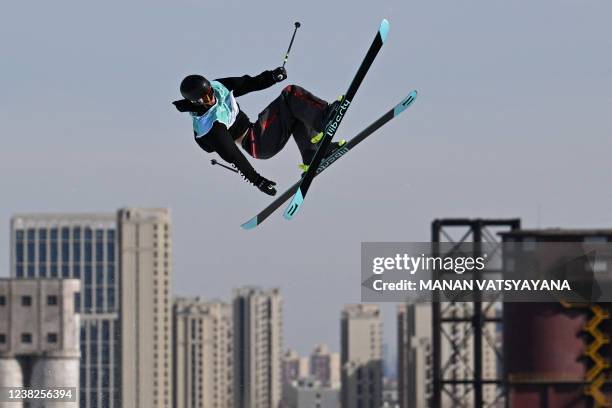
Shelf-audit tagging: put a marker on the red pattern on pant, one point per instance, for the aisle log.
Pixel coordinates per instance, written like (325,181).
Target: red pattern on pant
(271,118)
(298,93)
(253,145)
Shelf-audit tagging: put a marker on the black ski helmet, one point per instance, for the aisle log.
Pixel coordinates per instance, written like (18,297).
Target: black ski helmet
(194,87)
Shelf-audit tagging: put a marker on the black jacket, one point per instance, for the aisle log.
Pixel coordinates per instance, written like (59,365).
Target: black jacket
(220,139)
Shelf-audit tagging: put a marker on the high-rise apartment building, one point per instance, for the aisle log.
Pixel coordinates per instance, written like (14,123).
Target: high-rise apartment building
(83,247)
(258,346)
(293,366)
(145,262)
(325,366)
(361,356)
(203,366)
(415,359)
(414,348)
(39,342)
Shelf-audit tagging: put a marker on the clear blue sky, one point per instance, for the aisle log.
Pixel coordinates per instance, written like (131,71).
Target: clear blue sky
(513,115)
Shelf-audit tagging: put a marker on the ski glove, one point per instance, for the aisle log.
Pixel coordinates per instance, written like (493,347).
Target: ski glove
(279,74)
(266,186)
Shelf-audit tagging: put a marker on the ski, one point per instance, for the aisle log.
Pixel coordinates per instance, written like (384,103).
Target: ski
(333,157)
(336,119)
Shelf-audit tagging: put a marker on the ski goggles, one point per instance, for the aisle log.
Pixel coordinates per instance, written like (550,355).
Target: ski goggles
(206,99)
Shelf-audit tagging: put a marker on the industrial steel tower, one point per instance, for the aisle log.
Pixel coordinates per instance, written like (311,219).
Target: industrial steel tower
(467,356)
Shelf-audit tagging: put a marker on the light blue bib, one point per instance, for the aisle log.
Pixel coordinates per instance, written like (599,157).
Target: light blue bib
(225,110)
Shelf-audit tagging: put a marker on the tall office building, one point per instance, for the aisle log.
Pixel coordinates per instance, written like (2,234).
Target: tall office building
(325,366)
(203,369)
(39,342)
(145,262)
(361,356)
(258,345)
(79,246)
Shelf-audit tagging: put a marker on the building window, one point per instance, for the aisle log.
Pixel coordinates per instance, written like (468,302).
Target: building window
(87,274)
(110,297)
(99,251)
(2,300)
(77,301)
(99,274)
(26,338)
(65,252)
(105,378)
(54,252)
(100,299)
(2,338)
(51,337)
(94,331)
(51,300)
(76,252)
(26,301)
(110,252)
(110,274)
(31,249)
(88,252)
(105,330)
(88,233)
(87,300)
(105,353)
(42,251)
(19,251)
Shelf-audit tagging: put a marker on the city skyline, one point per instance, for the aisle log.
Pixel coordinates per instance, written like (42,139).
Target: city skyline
(69,261)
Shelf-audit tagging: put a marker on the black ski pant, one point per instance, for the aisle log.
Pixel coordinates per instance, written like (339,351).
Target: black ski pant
(295,112)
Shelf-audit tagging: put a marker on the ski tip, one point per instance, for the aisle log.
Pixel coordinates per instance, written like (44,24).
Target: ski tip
(252,223)
(384,29)
(294,206)
(405,103)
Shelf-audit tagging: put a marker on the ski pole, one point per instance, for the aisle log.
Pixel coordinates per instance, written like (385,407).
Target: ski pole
(213,162)
(297,25)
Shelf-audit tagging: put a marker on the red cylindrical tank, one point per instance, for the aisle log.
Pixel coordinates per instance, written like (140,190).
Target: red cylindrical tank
(544,346)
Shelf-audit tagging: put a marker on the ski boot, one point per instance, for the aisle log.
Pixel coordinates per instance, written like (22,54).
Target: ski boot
(329,112)
(331,149)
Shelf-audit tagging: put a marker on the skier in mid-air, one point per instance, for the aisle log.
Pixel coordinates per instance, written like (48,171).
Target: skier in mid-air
(219,124)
